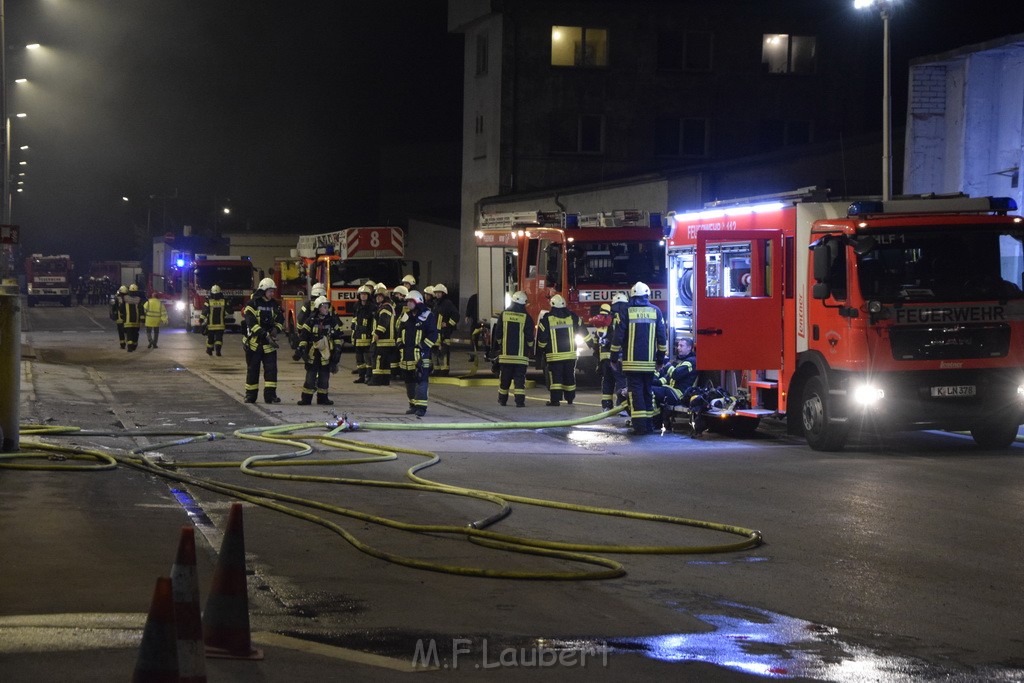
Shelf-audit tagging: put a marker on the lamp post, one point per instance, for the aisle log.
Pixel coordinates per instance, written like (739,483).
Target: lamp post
(883,7)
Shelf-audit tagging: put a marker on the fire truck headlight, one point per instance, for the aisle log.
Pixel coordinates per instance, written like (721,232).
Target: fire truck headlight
(874,307)
(179,305)
(1020,393)
(867,395)
(579,344)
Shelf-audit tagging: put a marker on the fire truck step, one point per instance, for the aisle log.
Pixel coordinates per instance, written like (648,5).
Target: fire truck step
(762,384)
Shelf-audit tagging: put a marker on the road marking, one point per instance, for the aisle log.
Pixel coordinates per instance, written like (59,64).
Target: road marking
(357,656)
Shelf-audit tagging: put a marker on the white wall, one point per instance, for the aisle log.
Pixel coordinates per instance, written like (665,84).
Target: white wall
(262,248)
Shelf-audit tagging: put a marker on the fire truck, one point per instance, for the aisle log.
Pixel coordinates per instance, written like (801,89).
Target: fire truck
(345,259)
(49,278)
(587,258)
(236,277)
(832,315)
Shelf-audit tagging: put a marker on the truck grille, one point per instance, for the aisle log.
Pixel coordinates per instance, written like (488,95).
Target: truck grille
(941,342)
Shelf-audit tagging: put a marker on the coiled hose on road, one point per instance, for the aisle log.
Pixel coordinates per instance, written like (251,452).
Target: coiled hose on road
(293,437)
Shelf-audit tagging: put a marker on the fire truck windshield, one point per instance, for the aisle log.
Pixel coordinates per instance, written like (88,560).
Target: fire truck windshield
(228,277)
(966,265)
(355,272)
(50,266)
(616,263)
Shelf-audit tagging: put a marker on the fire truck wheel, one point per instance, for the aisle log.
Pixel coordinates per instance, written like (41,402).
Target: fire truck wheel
(993,435)
(815,413)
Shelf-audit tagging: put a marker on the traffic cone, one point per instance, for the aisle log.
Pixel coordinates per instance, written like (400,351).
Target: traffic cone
(226,617)
(158,653)
(185,583)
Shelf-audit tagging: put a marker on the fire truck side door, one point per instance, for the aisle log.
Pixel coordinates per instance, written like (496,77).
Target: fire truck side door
(738,299)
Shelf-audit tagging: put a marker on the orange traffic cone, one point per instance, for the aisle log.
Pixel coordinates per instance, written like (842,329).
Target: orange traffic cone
(185,582)
(158,653)
(226,617)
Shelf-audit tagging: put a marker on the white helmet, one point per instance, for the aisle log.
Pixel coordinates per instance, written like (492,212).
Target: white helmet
(409,280)
(400,290)
(365,289)
(429,289)
(640,289)
(558,301)
(440,288)
(215,289)
(266,283)
(619,298)
(380,290)
(320,301)
(122,290)
(519,298)
(318,290)
(414,296)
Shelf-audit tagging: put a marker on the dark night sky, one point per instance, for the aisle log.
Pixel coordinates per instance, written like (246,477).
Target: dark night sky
(280,107)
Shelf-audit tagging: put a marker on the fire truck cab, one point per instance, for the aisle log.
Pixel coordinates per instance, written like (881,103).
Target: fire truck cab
(905,314)
(587,258)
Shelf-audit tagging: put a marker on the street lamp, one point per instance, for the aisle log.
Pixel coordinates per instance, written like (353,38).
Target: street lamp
(883,7)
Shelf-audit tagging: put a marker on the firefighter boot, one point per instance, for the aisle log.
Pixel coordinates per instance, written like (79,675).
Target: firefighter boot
(209,350)
(218,350)
(324,400)
(305,400)
(250,397)
(270,396)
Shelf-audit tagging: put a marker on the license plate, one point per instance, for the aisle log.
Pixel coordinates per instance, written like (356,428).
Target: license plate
(956,390)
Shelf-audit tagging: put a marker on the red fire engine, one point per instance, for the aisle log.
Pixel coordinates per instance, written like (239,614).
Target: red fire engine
(587,258)
(904,314)
(48,278)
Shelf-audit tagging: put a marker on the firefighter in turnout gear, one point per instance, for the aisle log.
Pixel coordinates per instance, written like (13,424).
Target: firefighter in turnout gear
(640,342)
(383,338)
(417,340)
(556,338)
(132,312)
(510,344)
(213,320)
(613,382)
(263,320)
(320,344)
(447,320)
(156,315)
(362,331)
(407,282)
(115,314)
(673,379)
(315,292)
(398,295)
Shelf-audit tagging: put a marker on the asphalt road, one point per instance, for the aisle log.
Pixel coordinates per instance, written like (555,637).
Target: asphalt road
(896,560)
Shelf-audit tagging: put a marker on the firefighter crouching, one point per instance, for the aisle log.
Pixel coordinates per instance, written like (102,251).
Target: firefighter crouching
(510,344)
(320,344)
(447,320)
(556,338)
(673,379)
(263,320)
(417,339)
(362,332)
(640,342)
(213,320)
(383,338)
(115,314)
(132,313)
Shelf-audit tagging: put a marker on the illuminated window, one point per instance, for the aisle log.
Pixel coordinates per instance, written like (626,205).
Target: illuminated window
(785,54)
(577,134)
(674,136)
(579,46)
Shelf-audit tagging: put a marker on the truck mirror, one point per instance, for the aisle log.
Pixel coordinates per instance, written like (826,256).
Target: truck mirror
(864,244)
(822,261)
(821,291)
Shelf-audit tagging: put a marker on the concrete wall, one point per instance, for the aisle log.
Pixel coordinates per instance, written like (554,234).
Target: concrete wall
(262,248)
(436,247)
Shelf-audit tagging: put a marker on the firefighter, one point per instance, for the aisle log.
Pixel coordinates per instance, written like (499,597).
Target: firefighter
(684,371)
(613,382)
(156,315)
(428,297)
(640,342)
(132,314)
(417,340)
(672,381)
(115,313)
(383,338)
(408,281)
(447,320)
(556,338)
(315,292)
(320,343)
(362,332)
(398,296)
(510,344)
(263,320)
(213,320)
